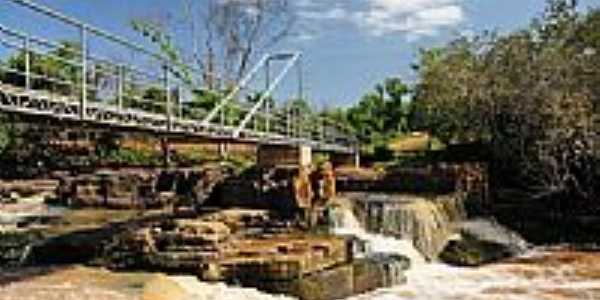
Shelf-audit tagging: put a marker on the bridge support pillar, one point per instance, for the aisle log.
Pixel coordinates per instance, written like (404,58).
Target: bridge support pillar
(345,159)
(166,149)
(223,150)
(276,155)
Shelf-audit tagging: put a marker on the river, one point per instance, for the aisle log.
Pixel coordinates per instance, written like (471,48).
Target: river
(540,274)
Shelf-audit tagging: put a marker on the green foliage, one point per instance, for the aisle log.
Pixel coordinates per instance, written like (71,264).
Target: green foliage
(380,115)
(60,64)
(240,163)
(532,95)
(6,135)
(157,35)
(446,75)
(190,158)
(134,157)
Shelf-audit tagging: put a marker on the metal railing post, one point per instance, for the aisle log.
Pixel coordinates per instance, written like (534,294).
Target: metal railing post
(267,116)
(322,128)
(267,74)
(267,85)
(120,87)
(27,64)
(299,124)
(288,121)
(84,67)
(300,79)
(179,102)
(168,109)
(222,116)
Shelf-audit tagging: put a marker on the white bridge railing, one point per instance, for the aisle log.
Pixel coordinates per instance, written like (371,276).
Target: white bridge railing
(76,81)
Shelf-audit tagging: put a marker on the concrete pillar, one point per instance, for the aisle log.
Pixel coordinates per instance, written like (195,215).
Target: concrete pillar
(276,155)
(223,150)
(166,149)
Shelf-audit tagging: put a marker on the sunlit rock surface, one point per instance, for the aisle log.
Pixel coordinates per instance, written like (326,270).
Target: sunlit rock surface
(76,283)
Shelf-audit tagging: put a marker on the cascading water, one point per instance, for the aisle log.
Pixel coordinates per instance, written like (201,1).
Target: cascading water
(428,221)
(346,223)
(538,274)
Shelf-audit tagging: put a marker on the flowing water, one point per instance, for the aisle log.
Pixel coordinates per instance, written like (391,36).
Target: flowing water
(544,274)
(427,221)
(347,224)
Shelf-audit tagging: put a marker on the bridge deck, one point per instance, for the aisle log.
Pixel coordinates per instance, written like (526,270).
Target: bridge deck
(18,100)
(150,93)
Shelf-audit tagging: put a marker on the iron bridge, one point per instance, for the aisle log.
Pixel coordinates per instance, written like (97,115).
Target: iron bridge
(153,95)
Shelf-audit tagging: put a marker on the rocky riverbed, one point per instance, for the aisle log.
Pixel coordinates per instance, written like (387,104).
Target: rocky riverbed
(79,282)
(368,240)
(544,274)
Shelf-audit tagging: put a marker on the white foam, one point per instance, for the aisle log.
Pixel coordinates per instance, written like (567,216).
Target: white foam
(348,224)
(436,281)
(496,282)
(198,290)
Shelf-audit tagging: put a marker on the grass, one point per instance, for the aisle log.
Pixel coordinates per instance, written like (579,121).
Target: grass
(415,142)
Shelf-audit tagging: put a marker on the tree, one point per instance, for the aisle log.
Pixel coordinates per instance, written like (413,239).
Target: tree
(531,95)
(57,71)
(224,36)
(6,133)
(381,114)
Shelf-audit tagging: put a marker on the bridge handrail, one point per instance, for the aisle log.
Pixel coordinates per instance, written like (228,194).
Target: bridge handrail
(92,29)
(93,57)
(93,72)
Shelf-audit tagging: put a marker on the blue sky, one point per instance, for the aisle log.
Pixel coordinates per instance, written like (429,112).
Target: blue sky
(348,45)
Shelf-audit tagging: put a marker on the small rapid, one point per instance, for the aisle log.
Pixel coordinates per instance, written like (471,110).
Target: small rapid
(545,274)
(346,223)
(538,275)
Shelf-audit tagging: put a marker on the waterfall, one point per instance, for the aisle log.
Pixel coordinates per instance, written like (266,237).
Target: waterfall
(346,223)
(428,221)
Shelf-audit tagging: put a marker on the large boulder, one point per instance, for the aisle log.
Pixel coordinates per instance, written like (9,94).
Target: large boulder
(482,241)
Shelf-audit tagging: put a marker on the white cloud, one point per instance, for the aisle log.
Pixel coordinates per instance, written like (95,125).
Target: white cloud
(304,3)
(336,13)
(413,18)
(304,36)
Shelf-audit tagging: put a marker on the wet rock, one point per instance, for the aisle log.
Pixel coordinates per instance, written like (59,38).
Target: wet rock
(103,189)
(15,247)
(337,283)
(379,271)
(284,189)
(47,188)
(27,211)
(482,241)
(142,188)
